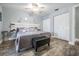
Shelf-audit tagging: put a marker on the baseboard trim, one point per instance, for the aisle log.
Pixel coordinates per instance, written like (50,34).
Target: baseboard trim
(12,38)
(54,37)
(58,38)
(77,39)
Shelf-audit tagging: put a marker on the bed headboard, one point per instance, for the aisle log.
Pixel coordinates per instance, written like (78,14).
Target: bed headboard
(24,25)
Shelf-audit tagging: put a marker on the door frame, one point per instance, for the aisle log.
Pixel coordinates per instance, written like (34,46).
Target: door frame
(72,25)
(73,16)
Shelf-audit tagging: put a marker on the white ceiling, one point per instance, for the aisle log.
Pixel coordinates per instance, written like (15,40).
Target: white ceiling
(50,7)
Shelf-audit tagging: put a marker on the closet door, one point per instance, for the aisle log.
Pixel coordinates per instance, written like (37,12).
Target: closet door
(46,25)
(61,26)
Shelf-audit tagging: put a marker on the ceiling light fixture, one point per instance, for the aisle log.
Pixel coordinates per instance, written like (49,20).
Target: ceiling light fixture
(35,7)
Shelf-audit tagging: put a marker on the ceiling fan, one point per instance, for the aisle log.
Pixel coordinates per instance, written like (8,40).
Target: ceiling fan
(35,7)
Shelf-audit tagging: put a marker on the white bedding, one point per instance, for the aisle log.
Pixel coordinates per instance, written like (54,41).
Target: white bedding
(27,37)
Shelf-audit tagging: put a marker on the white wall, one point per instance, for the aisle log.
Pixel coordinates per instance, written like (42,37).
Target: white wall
(72,24)
(15,15)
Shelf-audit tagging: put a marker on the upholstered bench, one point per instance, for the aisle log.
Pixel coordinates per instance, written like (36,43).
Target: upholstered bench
(40,41)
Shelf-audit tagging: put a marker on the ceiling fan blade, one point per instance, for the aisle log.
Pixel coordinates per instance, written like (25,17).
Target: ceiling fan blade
(42,7)
(34,4)
(27,8)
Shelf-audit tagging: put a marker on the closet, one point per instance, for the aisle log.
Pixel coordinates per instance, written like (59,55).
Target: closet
(61,26)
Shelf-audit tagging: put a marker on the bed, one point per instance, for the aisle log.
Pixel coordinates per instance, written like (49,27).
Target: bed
(24,38)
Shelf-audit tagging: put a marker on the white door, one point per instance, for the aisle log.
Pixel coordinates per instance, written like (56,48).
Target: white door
(46,25)
(61,26)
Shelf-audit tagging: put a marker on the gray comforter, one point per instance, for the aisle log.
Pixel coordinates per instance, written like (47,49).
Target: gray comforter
(24,39)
